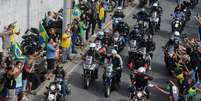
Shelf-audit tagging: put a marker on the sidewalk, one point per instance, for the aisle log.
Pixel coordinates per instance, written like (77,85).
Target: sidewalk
(72,65)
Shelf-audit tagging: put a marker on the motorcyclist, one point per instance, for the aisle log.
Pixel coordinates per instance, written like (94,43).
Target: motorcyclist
(107,38)
(135,61)
(60,73)
(159,9)
(156,7)
(178,13)
(96,56)
(117,64)
(140,79)
(117,17)
(150,47)
(142,15)
(174,40)
(118,13)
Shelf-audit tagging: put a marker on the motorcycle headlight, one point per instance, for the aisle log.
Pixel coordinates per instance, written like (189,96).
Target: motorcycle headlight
(116,21)
(59,87)
(139,94)
(176,25)
(116,39)
(52,87)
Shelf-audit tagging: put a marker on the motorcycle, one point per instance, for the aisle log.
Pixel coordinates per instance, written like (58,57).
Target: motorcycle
(177,25)
(154,21)
(115,22)
(169,58)
(118,42)
(108,79)
(139,94)
(59,88)
(89,71)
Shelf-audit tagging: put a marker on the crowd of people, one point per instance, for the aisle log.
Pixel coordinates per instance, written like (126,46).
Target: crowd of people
(16,77)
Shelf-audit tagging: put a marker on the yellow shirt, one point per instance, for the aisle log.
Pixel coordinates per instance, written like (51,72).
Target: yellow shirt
(12,35)
(66,40)
(101,13)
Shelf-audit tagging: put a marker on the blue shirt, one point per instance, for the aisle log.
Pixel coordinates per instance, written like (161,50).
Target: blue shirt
(50,51)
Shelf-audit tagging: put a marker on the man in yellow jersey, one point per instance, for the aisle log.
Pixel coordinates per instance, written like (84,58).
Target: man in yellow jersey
(65,44)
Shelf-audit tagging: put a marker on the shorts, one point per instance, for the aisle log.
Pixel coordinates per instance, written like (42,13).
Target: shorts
(4,92)
(18,90)
(50,64)
(11,94)
(24,85)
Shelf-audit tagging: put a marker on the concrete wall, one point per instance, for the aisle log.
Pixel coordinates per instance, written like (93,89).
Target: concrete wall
(17,10)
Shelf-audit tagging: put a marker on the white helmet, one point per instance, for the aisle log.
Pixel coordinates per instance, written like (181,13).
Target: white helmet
(114,51)
(155,4)
(92,45)
(119,8)
(141,70)
(176,33)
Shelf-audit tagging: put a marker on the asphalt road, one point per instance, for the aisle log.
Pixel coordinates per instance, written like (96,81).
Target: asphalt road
(159,72)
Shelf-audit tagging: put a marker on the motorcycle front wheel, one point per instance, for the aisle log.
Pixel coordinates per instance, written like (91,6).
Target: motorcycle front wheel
(107,91)
(86,83)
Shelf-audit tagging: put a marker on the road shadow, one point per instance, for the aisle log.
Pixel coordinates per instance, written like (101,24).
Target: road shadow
(123,89)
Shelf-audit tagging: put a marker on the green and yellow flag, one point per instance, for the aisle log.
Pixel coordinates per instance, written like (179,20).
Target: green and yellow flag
(43,36)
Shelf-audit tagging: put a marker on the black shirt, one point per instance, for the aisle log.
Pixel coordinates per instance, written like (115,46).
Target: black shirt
(10,82)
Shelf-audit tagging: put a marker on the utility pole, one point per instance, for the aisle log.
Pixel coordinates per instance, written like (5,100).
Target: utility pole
(28,13)
(67,14)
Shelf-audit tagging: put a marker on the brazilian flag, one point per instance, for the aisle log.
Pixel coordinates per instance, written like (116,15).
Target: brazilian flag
(43,36)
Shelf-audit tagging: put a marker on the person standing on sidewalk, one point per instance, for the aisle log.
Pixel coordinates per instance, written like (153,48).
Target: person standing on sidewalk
(10,82)
(83,28)
(51,56)
(94,16)
(66,47)
(198,19)
(101,16)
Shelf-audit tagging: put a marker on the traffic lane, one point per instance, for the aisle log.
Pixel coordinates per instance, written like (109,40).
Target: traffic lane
(96,92)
